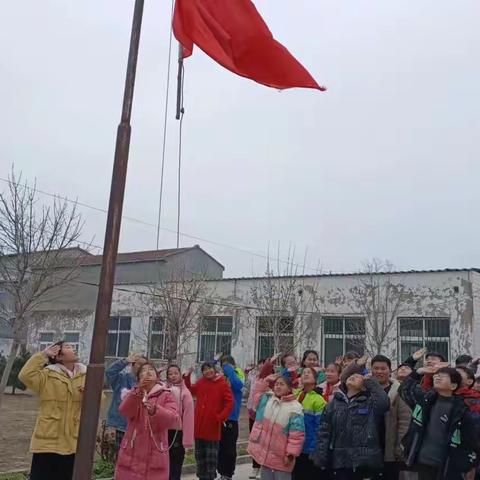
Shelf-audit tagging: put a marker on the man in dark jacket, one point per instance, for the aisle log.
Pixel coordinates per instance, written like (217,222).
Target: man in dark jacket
(397,419)
(442,441)
(349,440)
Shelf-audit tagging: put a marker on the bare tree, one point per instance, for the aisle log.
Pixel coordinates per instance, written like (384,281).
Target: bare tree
(283,302)
(36,256)
(380,299)
(175,306)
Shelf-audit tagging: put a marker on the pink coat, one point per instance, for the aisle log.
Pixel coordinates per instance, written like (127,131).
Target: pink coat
(185,408)
(279,428)
(143,453)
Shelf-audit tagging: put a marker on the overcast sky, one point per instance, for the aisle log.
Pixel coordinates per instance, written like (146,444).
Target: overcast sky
(386,163)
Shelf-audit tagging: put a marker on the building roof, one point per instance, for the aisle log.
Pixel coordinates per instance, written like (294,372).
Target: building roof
(67,251)
(351,274)
(145,256)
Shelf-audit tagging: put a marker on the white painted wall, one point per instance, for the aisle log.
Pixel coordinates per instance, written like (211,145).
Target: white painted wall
(475,281)
(436,297)
(5,345)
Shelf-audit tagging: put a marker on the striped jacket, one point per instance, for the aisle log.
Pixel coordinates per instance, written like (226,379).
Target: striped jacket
(313,405)
(279,428)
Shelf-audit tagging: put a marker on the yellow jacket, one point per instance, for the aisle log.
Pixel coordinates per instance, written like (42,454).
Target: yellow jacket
(56,429)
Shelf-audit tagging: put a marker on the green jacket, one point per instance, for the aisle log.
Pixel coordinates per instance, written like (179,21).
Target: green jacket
(313,405)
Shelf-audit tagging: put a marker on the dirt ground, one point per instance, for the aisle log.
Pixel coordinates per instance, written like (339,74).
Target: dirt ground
(17,419)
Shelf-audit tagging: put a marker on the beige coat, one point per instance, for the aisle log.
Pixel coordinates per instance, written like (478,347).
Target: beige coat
(397,421)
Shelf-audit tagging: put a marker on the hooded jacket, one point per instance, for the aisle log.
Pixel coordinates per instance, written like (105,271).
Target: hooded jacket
(349,432)
(235,378)
(472,401)
(397,421)
(214,403)
(461,441)
(185,408)
(143,453)
(56,428)
(313,405)
(278,430)
(250,380)
(119,380)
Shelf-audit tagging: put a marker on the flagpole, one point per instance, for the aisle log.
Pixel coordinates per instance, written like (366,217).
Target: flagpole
(95,371)
(179,83)
(179,116)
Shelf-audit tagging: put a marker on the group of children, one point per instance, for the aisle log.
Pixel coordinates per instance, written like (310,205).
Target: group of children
(344,421)
(357,423)
(160,420)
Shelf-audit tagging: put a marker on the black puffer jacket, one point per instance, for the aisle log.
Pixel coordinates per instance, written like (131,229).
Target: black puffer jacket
(461,443)
(349,431)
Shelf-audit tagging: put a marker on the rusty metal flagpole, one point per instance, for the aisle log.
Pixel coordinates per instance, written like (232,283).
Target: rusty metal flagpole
(179,116)
(96,368)
(179,110)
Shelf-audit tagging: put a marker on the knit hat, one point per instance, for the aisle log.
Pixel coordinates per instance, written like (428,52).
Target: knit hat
(436,354)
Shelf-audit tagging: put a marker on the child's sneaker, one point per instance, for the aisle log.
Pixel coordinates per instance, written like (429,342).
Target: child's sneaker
(254,474)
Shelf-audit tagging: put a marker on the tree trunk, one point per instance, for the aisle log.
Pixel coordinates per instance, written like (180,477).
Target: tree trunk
(8,368)
(172,346)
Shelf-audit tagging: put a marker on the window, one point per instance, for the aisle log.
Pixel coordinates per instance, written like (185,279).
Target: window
(417,332)
(73,338)
(46,339)
(342,335)
(215,337)
(158,338)
(118,340)
(284,328)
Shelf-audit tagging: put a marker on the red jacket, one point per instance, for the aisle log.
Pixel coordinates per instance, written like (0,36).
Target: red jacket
(472,400)
(214,403)
(427,382)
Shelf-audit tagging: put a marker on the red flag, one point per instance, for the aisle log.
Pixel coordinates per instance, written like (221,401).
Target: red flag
(234,34)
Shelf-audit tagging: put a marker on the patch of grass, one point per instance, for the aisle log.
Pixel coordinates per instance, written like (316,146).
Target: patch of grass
(13,476)
(189,458)
(103,469)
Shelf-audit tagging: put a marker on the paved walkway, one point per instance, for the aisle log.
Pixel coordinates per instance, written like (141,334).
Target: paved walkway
(241,473)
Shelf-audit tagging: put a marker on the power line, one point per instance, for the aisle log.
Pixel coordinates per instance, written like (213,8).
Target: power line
(223,303)
(165,123)
(183,234)
(204,300)
(244,306)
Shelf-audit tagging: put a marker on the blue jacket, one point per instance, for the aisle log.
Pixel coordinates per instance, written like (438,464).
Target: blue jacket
(313,405)
(118,380)
(235,378)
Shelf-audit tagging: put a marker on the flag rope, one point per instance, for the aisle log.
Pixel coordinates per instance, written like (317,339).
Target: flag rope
(180,138)
(165,118)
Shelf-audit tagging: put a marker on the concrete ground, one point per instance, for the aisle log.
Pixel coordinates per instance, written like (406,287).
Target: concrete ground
(241,473)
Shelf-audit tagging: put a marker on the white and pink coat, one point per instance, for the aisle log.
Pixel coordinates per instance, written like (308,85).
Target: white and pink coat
(279,428)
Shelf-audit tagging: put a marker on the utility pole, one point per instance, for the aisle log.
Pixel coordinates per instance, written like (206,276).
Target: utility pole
(96,368)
